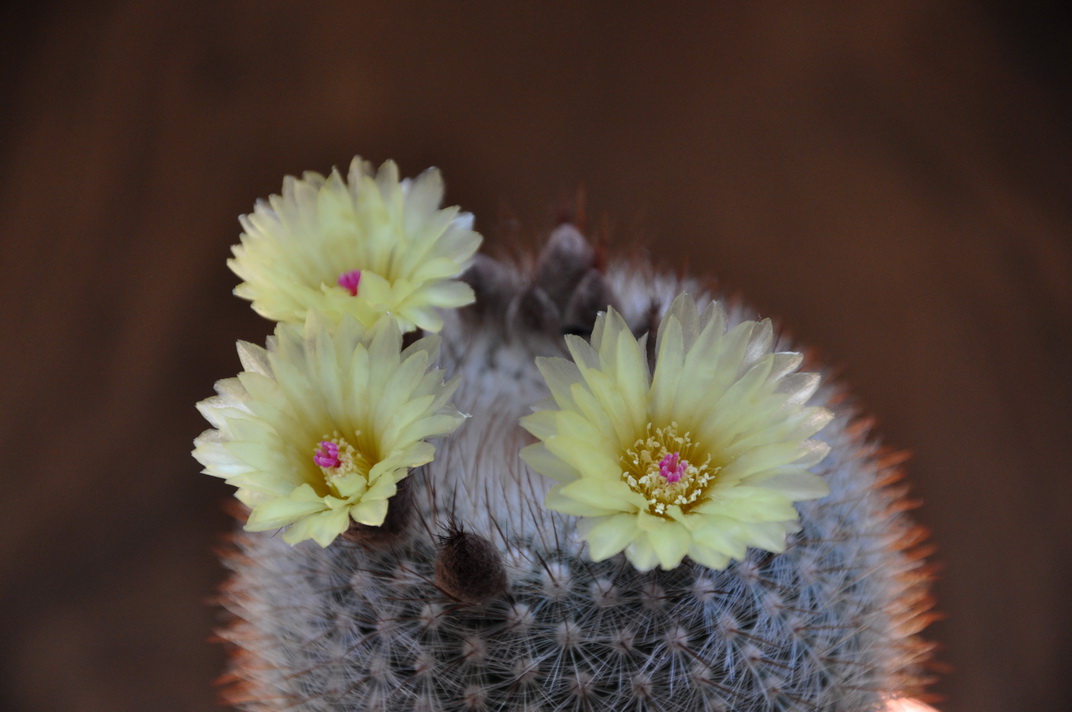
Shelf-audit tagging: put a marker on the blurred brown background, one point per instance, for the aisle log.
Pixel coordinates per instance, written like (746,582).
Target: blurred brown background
(891,178)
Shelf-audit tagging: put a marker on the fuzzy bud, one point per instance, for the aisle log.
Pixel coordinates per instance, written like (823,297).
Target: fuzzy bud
(469,568)
(565,259)
(592,295)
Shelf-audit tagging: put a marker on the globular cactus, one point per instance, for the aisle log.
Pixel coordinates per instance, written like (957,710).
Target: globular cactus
(475,596)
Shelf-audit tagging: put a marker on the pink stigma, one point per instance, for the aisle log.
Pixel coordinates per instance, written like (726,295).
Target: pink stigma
(350,280)
(672,467)
(327,455)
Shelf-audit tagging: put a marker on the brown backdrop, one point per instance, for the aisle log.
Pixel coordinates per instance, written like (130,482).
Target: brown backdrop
(893,180)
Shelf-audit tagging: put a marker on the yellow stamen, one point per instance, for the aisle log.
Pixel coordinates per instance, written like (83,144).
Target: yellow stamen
(662,466)
(339,461)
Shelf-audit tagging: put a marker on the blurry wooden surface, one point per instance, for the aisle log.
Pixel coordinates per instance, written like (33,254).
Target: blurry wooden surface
(893,181)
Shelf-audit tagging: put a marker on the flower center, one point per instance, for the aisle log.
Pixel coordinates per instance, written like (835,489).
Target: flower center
(663,467)
(337,458)
(350,280)
(672,467)
(328,455)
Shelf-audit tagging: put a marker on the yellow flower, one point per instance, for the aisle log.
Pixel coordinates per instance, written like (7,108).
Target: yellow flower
(365,246)
(703,458)
(320,426)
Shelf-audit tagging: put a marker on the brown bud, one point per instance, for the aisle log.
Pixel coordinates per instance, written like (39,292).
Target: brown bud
(492,284)
(564,260)
(469,568)
(592,295)
(533,312)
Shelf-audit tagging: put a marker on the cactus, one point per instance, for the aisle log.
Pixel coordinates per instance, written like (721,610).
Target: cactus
(474,596)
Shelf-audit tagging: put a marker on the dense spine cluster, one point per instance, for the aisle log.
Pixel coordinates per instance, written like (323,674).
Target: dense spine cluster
(482,599)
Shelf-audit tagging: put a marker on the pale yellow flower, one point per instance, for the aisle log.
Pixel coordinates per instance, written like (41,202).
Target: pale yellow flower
(321,426)
(366,245)
(704,458)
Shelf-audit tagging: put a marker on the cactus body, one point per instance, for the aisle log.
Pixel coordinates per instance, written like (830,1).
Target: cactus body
(370,623)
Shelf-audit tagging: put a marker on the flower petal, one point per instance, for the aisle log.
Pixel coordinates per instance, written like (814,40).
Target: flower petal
(333,417)
(408,250)
(609,535)
(671,542)
(703,458)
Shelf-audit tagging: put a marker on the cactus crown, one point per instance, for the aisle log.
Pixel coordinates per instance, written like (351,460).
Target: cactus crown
(474,595)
